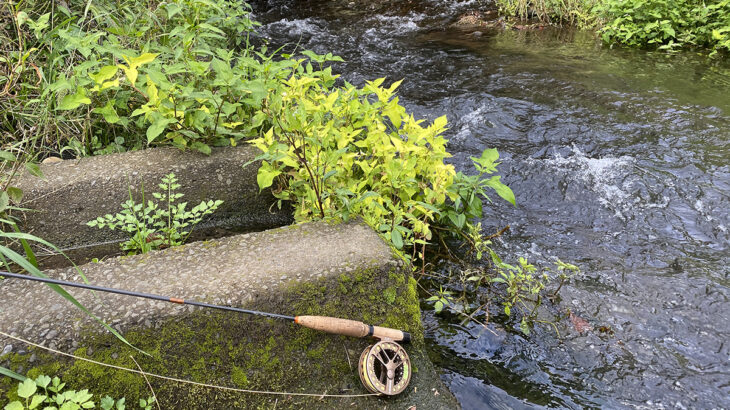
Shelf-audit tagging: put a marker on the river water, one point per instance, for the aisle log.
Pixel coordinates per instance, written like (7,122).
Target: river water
(620,163)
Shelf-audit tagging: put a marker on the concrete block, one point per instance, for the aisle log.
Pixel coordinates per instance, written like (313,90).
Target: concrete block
(341,270)
(74,192)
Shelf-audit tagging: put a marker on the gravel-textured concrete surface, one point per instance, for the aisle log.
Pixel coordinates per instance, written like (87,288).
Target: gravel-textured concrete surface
(74,192)
(341,270)
(232,271)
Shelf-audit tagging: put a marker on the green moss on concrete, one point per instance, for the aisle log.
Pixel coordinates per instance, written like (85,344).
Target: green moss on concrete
(44,363)
(257,353)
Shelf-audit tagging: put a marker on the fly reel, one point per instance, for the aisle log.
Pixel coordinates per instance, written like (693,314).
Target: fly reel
(385,368)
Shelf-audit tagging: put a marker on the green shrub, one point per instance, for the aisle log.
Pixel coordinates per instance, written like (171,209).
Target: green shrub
(667,24)
(338,153)
(70,78)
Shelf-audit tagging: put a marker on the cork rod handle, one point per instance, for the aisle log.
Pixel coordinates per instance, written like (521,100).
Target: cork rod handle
(351,328)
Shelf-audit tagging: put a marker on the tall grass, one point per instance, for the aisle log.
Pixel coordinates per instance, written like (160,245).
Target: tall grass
(46,46)
(573,12)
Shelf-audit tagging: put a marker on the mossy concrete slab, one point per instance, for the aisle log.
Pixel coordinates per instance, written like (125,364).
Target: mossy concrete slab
(74,192)
(341,270)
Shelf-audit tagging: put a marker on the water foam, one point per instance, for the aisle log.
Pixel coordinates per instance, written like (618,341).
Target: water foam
(608,177)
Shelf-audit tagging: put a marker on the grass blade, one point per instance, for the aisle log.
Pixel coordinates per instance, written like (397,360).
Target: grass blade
(9,373)
(30,268)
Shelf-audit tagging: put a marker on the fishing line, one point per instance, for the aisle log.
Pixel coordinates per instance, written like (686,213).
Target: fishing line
(184,381)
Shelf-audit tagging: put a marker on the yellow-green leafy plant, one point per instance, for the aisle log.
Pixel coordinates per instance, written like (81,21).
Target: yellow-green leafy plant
(338,153)
(72,74)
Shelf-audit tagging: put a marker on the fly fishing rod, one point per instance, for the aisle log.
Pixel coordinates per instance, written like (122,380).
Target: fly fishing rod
(384,367)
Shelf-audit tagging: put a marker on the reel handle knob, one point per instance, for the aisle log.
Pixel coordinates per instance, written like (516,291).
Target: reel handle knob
(351,328)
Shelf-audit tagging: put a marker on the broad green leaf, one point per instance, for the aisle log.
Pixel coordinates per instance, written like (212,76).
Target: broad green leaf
(15,194)
(152,91)
(329,174)
(27,388)
(475,206)
(204,148)
(43,381)
(104,74)
(460,220)
(457,219)
(180,141)
(440,122)
(157,127)
(172,9)
(7,156)
(266,175)
(69,405)
(73,101)
(396,238)
(34,169)
(131,73)
(525,327)
(142,59)
(109,113)
(489,156)
(502,190)
(109,84)
(15,405)
(106,403)
(22,18)
(222,68)
(36,401)
(141,110)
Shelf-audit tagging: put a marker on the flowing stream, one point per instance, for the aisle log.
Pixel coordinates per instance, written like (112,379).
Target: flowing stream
(620,163)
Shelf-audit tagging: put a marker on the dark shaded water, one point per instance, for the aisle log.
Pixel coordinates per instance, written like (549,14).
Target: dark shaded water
(620,163)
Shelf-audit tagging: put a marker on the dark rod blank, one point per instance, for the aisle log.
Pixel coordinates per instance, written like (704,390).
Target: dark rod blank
(144,295)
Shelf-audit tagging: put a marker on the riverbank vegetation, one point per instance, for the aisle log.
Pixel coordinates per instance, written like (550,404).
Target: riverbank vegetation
(661,24)
(90,78)
(99,77)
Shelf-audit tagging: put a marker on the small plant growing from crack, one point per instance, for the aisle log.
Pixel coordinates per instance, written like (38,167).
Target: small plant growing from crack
(156,225)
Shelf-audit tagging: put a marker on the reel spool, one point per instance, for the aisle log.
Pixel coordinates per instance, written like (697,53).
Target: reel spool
(385,368)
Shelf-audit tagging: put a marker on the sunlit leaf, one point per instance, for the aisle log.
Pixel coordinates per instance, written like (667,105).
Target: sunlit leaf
(109,113)
(73,101)
(104,74)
